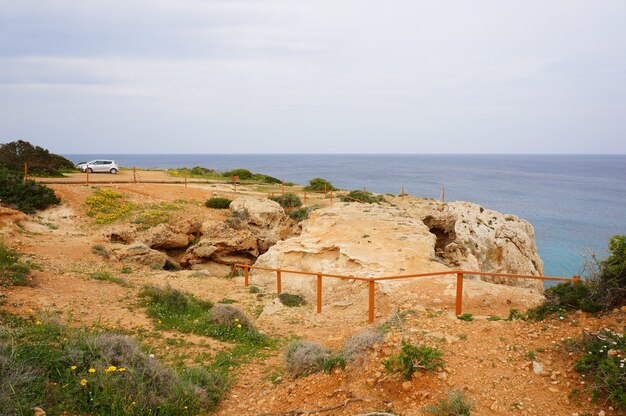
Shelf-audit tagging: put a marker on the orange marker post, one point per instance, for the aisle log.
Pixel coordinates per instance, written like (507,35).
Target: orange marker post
(134,174)
(279,282)
(235,178)
(371,288)
(319,293)
(283,187)
(459,294)
(246,276)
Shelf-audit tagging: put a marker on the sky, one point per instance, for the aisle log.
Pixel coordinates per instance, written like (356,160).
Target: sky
(324,76)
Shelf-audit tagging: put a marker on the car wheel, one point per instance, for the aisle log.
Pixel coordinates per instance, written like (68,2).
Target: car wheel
(90,170)
(113,171)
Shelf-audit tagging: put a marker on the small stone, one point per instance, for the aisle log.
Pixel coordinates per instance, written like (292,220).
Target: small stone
(601,413)
(371,382)
(623,308)
(538,368)
(378,374)
(553,389)
(406,386)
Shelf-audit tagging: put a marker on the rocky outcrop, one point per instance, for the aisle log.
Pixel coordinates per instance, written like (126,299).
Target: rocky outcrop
(142,254)
(9,217)
(421,236)
(264,218)
(171,236)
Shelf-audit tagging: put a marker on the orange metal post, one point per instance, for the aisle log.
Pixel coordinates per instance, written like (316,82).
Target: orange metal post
(25,170)
(371,284)
(246,276)
(459,293)
(319,293)
(134,174)
(576,278)
(279,282)
(185,179)
(283,187)
(443,194)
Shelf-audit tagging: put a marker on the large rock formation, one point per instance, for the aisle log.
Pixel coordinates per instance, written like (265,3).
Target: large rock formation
(421,236)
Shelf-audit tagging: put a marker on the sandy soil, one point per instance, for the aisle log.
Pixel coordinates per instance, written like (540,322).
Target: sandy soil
(488,360)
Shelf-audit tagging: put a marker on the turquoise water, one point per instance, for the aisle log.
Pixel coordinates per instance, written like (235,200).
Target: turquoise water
(575,202)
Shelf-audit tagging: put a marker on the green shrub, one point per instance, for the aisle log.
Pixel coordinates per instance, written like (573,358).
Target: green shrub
(494,318)
(254,289)
(363,197)
(26,196)
(319,185)
(291,300)
(77,371)
(288,200)
(246,175)
(564,297)
(334,361)
(515,314)
(305,357)
(218,203)
(468,317)
(12,271)
(301,214)
(40,161)
(411,358)
(603,360)
(454,405)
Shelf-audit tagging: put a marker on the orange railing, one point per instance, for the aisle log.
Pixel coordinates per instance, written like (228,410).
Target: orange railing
(460,274)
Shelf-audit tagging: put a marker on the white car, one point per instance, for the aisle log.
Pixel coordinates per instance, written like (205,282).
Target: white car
(99,165)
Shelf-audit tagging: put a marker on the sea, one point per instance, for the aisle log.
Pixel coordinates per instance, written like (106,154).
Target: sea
(574,202)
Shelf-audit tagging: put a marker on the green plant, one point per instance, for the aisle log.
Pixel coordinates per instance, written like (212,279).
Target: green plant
(126,270)
(319,185)
(468,317)
(218,203)
(12,271)
(40,161)
(363,197)
(305,357)
(515,314)
(106,206)
(24,195)
(289,200)
(411,358)
(531,356)
(291,300)
(227,301)
(334,361)
(454,405)
(254,289)
(301,214)
(494,318)
(108,277)
(88,371)
(246,175)
(565,297)
(100,250)
(604,360)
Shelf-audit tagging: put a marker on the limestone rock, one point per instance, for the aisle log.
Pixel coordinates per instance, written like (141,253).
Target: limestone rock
(169,236)
(264,218)
(142,254)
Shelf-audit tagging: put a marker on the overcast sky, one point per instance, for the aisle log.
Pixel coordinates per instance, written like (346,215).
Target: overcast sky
(323,76)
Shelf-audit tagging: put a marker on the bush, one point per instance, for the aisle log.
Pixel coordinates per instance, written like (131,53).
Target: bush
(319,185)
(288,200)
(301,214)
(12,272)
(361,342)
(603,360)
(363,197)
(246,175)
(100,373)
(26,196)
(230,316)
(305,357)
(40,161)
(565,297)
(218,203)
(290,300)
(411,358)
(454,405)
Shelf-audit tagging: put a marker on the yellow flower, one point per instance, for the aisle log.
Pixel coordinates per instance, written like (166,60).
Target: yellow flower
(238,325)
(185,407)
(38,322)
(111,369)
(73,368)
(236,320)
(83,382)
(121,369)
(92,370)
(133,403)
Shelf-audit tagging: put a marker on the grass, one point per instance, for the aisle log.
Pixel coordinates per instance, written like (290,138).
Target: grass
(218,203)
(89,371)
(108,277)
(291,300)
(454,405)
(100,250)
(468,317)
(12,271)
(183,312)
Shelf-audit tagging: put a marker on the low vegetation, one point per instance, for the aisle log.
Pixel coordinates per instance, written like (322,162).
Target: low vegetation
(412,358)
(107,206)
(361,342)
(218,203)
(204,173)
(12,271)
(291,300)
(319,185)
(301,214)
(89,371)
(603,361)
(363,197)
(24,195)
(603,289)
(454,405)
(304,357)
(289,200)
